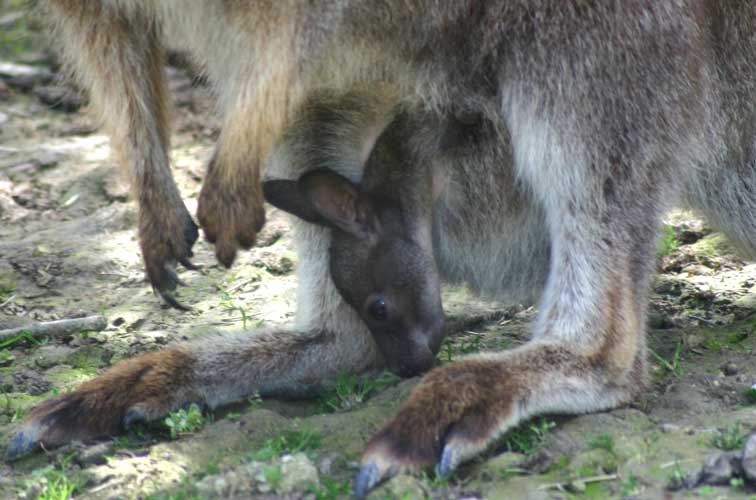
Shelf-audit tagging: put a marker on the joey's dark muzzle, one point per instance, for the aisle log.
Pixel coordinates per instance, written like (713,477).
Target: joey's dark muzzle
(416,353)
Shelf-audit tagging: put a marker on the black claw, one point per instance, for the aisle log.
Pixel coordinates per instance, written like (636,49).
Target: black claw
(171,301)
(368,477)
(188,264)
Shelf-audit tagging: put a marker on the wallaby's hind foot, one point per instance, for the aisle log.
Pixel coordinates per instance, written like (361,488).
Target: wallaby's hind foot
(462,408)
(140,389)
(213,371)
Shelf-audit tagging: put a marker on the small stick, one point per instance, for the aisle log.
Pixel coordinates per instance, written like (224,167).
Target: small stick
(58,328)
(584,480)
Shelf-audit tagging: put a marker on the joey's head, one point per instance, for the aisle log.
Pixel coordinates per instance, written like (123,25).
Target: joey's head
(379,262)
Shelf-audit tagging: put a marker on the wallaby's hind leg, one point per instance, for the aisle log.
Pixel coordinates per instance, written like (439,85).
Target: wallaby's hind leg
(116,53)
(329,340)
(588,351)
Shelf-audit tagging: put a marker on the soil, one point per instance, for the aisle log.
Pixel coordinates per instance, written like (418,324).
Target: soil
(68,249)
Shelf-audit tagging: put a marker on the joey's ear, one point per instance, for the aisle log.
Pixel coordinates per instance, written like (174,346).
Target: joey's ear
(326,198)
(287,196)
(340,203)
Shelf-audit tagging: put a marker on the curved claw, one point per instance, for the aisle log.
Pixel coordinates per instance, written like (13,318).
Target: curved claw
(449,461)
(369,476)
(188,264)
(171,301)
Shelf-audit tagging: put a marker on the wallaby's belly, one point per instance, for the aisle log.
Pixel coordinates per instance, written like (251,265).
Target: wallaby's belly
(488,233)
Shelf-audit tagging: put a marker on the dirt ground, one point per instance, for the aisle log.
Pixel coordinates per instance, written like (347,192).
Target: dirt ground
(68,249)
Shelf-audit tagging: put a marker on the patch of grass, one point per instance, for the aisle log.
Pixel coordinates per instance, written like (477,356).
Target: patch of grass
(16,414)
(750,395)
(630,486)
(255,400)
(351,391)
(436,481)
(228,303)
(273,475)
(447,351)
(713,345)
(136,437)
(466,345)
(736,338)
(5,356)
(471,345)
(60,486)
(604,442)
(290,442)
(669,243)
(729,439)
(528,437)
(185,491)
(185,421)
(23,336)
(7,287)
(676,478)
(674,366)
(331,489)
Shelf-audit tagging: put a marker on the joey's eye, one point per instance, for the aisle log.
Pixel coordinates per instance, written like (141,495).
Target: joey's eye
(378,310)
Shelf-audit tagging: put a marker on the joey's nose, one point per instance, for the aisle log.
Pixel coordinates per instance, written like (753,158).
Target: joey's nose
(420,360)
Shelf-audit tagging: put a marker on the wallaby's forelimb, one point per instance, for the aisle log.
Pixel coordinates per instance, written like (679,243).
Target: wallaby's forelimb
(115,52)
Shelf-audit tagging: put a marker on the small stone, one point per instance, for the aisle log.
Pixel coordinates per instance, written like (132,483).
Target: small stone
(297,474)
(47,356)
(96,454)
(30,382)
(748,460)
(719,469)
(116,191)
(402,486)
(23,76)
(327,463)
(275,263)
(730,369)
(667,427)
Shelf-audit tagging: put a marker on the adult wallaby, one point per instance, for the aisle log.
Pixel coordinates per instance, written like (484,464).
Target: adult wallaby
(577,124)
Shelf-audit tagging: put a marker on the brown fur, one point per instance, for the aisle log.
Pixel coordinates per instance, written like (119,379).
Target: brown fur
(146,387)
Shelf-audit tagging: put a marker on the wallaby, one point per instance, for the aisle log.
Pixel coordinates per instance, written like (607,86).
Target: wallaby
(577,124)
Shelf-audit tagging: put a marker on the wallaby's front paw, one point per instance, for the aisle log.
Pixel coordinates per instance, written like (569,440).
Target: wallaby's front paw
(452,416)
(231,213)
(166,238)
(141,389)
